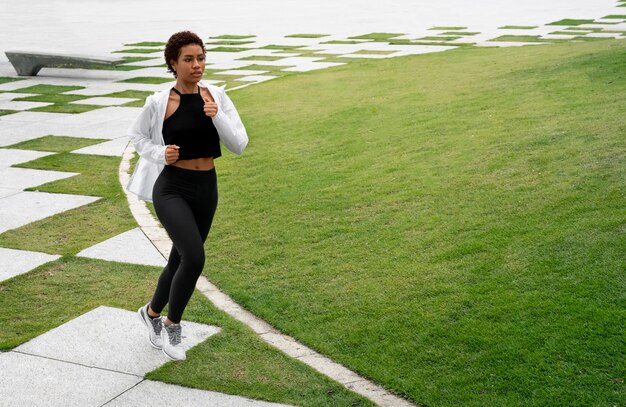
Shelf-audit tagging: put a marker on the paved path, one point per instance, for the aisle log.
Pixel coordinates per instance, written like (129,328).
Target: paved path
(100,359)
(96,26)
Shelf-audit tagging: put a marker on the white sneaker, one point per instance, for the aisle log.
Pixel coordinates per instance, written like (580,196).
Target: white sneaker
(172,342)
(154,325)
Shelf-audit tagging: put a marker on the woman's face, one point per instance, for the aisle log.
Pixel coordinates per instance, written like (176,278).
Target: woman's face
(190,64)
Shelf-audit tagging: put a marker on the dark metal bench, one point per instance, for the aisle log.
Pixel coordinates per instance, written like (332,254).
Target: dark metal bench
(27,63)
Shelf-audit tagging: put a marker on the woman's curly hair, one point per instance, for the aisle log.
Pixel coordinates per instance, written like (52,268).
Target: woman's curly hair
(175,43)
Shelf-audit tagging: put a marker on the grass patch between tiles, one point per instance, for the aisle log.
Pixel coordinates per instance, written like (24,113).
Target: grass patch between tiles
(517,27)
(155,80)
(571,22)
(66,108)
(376,36)
(138,51)
(47,89)
(448,28)
(226,49)
(7,79)
(232,37)
(306,35)
(147,44)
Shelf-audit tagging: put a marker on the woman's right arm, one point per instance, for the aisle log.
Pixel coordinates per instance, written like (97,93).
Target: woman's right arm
(139,133)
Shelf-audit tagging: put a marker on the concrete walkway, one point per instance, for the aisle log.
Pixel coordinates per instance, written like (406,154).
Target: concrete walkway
(99,359)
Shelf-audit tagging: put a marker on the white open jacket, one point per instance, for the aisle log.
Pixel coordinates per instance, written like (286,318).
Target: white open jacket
(146,133)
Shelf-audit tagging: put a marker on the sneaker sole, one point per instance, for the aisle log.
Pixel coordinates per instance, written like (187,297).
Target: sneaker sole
(170,357)
(146,324)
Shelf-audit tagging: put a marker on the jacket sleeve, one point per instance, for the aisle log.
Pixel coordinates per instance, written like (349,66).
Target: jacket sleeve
(229,126)
(139,133)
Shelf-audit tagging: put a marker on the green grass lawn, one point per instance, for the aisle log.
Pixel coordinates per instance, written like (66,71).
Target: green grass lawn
(450,225)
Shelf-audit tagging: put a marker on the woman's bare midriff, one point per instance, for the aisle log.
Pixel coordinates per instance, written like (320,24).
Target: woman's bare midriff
(198,164)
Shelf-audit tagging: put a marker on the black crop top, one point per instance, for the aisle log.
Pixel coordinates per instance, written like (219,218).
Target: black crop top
(191,129)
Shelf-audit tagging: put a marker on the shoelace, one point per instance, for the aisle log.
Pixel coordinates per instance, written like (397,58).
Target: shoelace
(157,325)
(173,332)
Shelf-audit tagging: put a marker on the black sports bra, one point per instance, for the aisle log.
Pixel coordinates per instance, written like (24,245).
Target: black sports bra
(191,129)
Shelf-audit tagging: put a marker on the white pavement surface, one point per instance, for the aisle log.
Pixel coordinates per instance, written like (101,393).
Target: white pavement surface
(98,357)
(129,247)
(113,148)
(109,338)
(79,26)
(26,207)
(170,395)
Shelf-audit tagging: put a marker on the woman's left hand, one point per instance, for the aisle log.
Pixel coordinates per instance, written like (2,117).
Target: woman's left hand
(210,108)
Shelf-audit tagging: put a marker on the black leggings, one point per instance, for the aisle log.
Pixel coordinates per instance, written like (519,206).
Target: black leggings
(185,202)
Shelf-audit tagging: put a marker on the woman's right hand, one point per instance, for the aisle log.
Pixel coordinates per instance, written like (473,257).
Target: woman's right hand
(171,153)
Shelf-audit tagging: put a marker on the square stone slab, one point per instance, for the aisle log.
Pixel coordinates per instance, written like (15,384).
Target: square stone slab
(129,247)
(22,178)
(4,192)
(170,395)
(113,148)
(104,101)
(18,105)
(241,72)
(99,116)
(33,117)
(110,338)
(256,78)
(15,262)
(12,95)
(9,157)
(36,381)
(26,207)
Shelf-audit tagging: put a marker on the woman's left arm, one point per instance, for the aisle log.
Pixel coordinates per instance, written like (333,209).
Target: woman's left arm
(229,126)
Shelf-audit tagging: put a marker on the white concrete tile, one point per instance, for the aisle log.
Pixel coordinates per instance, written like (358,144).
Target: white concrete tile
(13,95)
(111,87)
(4,192)
(129,247)
(227,64)
(16,262)
(18,84)
(99,116)
(22,178)
(110,338)
(106,130)
(240,72)
(33,117)
(36,381)
(26,207)
(312,66)
(365,56)
(113,148)
(171,395)
(148,62)
(156,71)
(104,101)
(80,76)
(558,37)
(256,78)
(9,157)
(17,105)
(300,61)
(16,134)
